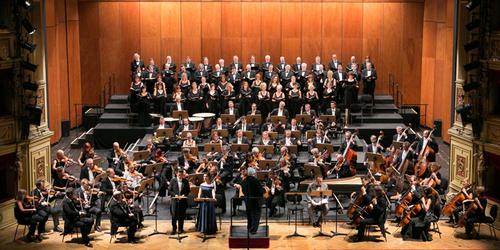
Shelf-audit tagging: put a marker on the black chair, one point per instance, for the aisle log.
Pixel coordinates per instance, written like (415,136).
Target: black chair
(355,111)
(367,102)
(489,220)
(114,228)
(69,228)
(21,223)
(294,206)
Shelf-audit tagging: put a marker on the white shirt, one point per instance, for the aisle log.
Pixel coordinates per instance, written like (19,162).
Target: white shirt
(91,175)
(112,184)
(340,77)
(186,164)
(231,111)
(333,111)
(399,137)
(243,127)
(368,73)
(280,112)
(179,182)
(161,126)
(288,141)
(319,140)
(426,140)
(403,158)
(294,127)
(179,106)
(374,148)
(240,139)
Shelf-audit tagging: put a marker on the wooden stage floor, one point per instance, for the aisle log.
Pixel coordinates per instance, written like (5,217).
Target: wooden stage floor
(451,239)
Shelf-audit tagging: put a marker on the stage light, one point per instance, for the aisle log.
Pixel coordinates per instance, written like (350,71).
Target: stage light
(475,23)
(29,66)
(30,29)
(471,5)
(472,45)
(472,65)
(30,86)
(471,86)
(28,46)
(26,4)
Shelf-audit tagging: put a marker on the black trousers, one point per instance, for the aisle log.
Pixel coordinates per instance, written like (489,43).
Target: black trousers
(253,208)
(37,222)
(369,221)
(85,224)
(178,212)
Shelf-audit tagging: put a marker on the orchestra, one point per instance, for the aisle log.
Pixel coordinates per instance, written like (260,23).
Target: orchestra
(279,112)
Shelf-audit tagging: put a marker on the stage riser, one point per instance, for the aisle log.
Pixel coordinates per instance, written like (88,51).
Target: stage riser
(118,99)
(105,134)
(368,119)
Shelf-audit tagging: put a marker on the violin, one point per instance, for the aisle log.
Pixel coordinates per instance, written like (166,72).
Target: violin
(96,169)
(118,179)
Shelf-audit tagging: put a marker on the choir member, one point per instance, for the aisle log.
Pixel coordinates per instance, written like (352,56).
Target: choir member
(350,90)
(194,97)
(277,97)
(234,77)
(201,72)
(184,70)
(264,99)
(317,65)
(294,98)
(160,97)
(265,65)
(143,107)
(206,65)
(269,74)
(298,65)
(367,60)
(245,97)
(329,91)
(312,97)
(249,74)
(136,63)
(213,100)
(236,64)
(281,66)
(253,65)
(369,76)
(286,75)
(334,63)
(189,65)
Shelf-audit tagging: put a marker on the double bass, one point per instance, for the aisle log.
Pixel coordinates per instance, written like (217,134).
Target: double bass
(421,166)
(349,155)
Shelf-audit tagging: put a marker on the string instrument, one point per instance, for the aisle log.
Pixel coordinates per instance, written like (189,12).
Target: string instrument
(96,169)
(374,166)
(360,211)
(351,210)
(421,166)
(403,203)
(456,201)
(410,213)
(118,179)
(471,209)
(349,155)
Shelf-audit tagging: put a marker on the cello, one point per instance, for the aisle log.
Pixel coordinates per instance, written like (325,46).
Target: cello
(421,166)
(455,202)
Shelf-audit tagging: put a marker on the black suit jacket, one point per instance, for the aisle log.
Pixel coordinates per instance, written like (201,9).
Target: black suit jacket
(332,66)
(192,165)
(107,187)
(238,67)
(71,213)
(253,192)
(336,114)
(181,128)
(337,77)
(234,78)
(235,112)
(244,140)
(293,141)
(134,65)
(366,78)
(119,214)
(403,138)
(257,112)
(248,76)
(343,146)
(275,112)
(239,126)
(207,67)
(188,73)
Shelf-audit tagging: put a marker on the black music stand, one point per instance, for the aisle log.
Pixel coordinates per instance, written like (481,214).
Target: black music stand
(205,237)
(321,194)
(295,198)
(335,233)
(240,147)
(177,199)
(267,164)
(180,114)
(155,168)
(310,168)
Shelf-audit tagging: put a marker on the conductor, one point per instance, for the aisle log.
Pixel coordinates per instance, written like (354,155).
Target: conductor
(179,186)
(252,191)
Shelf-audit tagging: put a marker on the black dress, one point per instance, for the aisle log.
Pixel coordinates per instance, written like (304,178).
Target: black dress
(263,103)
(294,102)
(276,100)
(143,109)
(134,92)
(207,220)
(213,102)
(194,102)
(245,99)
(312,99)
(160,100)
(350,93)
(328,97)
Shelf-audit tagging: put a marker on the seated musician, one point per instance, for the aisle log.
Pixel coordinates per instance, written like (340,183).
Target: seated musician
(455,216)
(61,182)
(333,110)
(43,198)
(187,161)
(185,126)
(280,110)
(91,201)
(320,138)
(475,215)
(267,126)
(162,124)
(345,142)
(317,124)
(87,152)
(434,177)
(419,225)
(220,188)
(240,138)
(311,112)
(204,166)
(131,196)
(179,186)
(61,161)
(243,125)
(132,177)
(189,142)
(90,170)
(267,141)
(253,110)
(75,217)
(317,203)
(288,140)
(219,124)
(26,213)
(345,170)
(425,141)
(276,194)
(293,126)
(108,186)
(400,135)
(376,216)
(406,155)
(231,110)
(374,146)
(121,215)
(238,194)
(115,158)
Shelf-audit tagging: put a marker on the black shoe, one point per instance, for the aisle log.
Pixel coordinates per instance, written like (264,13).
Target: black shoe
(57,229)
(450,221)
(88,244)
(181,231)
(173,232)
(133,240)
(234,213)
(30,238)
(140,226)
(39,238)
(98,229)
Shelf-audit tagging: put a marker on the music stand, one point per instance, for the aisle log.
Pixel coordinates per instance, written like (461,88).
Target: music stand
(321,194)
(327,118)
(266,149)
(165,132)
(228,119)
(248,134)
(273,135)
(311,168)
(267,164)
(240,147)
(292,149)
(376,158)
(212,147)
(177,199)
(196,179)
(334,233)
(310,134)
(277,119)
(205,200)
(397,144)
(194,133)
(222,132)
(295,198)
(140,155)
(154,168)
(180,114)
(255,119)
(303,118)
(296,134)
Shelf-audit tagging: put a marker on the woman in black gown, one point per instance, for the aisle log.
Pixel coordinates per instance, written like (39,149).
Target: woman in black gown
(207,220)
(228,95)
(263,100)
(328,94)
(294,100)
(350,90)
(312,98)
(184,83)
(212,100)
(277,97)
(160,97)
(194,98)
(245,98)
(143,107)
(135,88)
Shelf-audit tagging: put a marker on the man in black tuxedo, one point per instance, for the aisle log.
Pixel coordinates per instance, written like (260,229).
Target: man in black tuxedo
(281,66)
(206,66)
(236,64)
(223,68)
(302,73)
(169,64)
(400,135)
(367,60)
(189,65)
(108,186)
(288,140)
(334,63)
(333,110)
(178,105)
(243,125)
(92,201)
(347,138)
(136,63)
(407,154)
(248,74)
(185,126)
(234,77)
(318,139)
(201,72)
(369,76)
(317,65)
(74,217)
(86,171)
(253,191)
(122,216)
(298,65)
(280,110)
(184,70)
(340,77)
(231,110)
(286,75)
(293,126)
(269,74)
(352,65)
(253,110)
(240,139)
(188,165)
(253,65)
(265,65)
(216,74)
(179,186)
(425,141)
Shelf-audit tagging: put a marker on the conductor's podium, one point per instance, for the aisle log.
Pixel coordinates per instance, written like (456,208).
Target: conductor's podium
(239,237)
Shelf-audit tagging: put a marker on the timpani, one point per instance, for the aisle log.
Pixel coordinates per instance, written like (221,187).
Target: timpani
(196,122)
(207,119)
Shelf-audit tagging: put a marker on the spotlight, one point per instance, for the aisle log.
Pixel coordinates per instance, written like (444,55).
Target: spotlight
(29,66)
(471,5)
(472,65)
(472,45)
(28,46)
(471,86)
(30,86)
(28,26)
(475,23)
(26,4)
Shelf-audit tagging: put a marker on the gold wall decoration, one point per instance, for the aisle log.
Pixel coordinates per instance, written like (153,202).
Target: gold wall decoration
(461,166)
(7,130)
(40,168)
